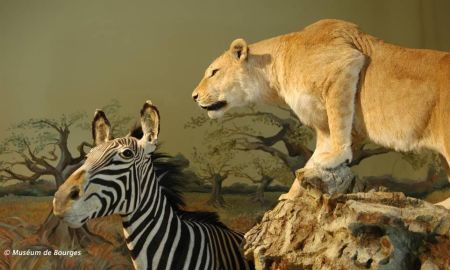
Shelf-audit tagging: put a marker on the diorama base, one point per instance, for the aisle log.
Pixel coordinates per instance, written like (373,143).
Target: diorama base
(363,230)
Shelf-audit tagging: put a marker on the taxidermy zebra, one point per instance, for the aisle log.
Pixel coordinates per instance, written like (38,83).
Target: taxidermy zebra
(125,176)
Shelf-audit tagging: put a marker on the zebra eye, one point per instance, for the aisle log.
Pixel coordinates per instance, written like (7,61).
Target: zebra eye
(127,154)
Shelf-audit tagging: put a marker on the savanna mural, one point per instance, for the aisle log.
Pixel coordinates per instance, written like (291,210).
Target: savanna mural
(60,61)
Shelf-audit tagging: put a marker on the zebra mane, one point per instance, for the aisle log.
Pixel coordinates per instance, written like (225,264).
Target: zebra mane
(169,172)
(203,217)
(170,176)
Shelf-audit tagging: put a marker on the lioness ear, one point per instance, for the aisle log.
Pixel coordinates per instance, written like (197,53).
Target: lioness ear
(101,128)
(150,122)
(239,49)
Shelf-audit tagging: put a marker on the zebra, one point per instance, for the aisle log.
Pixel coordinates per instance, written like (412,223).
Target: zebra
(126,176)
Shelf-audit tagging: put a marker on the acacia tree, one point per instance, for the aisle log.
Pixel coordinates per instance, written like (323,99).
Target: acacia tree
(40,147)
(266,170)
(214,166)
(291,133)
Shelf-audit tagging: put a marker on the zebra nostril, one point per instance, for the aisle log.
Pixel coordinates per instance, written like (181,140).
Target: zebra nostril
(74,193)
(195,97)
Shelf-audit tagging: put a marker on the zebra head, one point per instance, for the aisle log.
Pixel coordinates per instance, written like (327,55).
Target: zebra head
(107,183)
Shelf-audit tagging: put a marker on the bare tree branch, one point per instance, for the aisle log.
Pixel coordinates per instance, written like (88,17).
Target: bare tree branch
(81,151)
(21,177)
(37,160)
(52,153)
(249,177)
(50,124)
(245,145)
(269,115)
(363,154)
(291,112)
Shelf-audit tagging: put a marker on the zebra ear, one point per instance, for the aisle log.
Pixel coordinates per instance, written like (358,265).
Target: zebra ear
(150,123)
(101,128)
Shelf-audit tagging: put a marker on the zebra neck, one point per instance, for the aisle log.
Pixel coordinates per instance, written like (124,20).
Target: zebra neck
(146,201)
(149,227)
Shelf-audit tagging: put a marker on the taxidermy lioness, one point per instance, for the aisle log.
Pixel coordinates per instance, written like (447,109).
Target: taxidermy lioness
(345,84)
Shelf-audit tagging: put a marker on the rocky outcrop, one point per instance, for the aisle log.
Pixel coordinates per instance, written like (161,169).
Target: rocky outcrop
(373,230)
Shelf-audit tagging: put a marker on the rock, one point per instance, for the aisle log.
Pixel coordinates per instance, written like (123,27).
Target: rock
(374,230)
(338,180)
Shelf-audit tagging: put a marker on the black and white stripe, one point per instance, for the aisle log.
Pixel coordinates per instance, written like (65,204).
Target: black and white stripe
(159,234)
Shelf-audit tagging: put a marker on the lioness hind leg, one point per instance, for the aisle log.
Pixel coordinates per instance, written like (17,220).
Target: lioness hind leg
(340,107)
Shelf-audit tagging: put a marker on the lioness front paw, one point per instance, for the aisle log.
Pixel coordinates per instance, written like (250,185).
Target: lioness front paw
(331,160)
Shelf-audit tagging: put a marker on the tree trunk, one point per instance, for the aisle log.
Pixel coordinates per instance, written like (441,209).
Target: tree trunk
(59,180)
(261,188)
(374,230)
(216,198)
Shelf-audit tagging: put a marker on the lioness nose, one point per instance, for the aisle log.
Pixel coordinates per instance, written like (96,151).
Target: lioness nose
(195,96)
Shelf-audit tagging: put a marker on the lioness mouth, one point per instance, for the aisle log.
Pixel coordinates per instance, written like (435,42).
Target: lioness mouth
(215,106)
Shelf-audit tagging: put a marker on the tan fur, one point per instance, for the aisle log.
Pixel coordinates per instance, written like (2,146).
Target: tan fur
(342,83)
(62,195)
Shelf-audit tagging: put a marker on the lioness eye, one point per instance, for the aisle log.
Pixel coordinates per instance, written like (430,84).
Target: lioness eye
(214,72)
(127,154)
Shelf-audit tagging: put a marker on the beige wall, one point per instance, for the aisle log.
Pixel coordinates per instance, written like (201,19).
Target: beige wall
(65,56)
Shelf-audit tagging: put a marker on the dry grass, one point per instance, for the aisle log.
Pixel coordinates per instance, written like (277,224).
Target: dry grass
(239,213)
(32,210)
(21,216)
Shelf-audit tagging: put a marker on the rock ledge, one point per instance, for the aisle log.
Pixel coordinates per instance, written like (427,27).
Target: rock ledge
(374,230)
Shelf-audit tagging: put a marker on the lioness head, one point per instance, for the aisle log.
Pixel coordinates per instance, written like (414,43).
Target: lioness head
(230,81)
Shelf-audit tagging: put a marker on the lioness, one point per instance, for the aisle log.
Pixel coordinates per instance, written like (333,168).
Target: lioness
(345,84)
